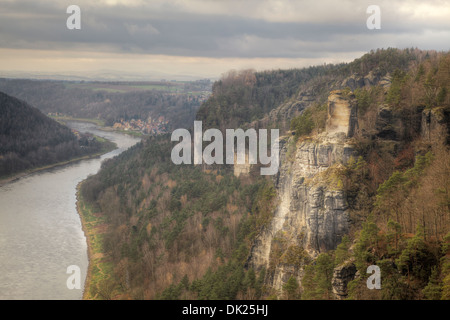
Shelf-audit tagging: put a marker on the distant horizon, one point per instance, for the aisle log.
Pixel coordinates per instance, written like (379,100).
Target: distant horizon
(110,76)
(117,75)
(120,75)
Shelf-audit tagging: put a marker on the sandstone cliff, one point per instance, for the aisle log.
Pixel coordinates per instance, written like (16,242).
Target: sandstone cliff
(311,213)
(318,92)
(342,275)
(434,125)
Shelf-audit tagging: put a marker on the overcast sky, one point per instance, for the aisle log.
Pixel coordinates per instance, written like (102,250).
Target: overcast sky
(205,38)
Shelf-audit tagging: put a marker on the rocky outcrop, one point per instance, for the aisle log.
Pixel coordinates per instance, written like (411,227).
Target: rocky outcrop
(432,123)
(312,208)
(315,93)
(434,126)
(342,275)
(342,115)
(371,79)
(286,111)
(386,123)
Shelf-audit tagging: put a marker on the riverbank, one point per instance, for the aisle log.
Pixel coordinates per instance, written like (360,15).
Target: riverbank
(108,146)
(97,285)
(64,119)
(88,223)
(132,133)
(43,207)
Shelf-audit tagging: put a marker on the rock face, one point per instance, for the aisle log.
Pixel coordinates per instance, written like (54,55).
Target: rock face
(370,79)
(241,169)
(312,210)
(434,124)
(342,275)
(385,124)
(342,116)
(308,95)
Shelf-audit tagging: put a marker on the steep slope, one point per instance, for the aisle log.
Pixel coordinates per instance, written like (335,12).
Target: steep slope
(29,139)
(273,98)
(327,188)
(364,146)
(311,215)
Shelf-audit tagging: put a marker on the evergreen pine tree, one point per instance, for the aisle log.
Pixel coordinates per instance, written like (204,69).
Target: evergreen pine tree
(290,289)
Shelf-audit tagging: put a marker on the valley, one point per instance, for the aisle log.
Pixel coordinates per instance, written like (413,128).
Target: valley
(362,182)
(361,148)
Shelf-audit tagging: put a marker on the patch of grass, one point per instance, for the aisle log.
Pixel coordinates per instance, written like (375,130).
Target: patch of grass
(113,90)
(99,269)
(63,119)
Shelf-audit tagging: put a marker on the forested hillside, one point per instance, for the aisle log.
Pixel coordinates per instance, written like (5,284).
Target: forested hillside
(248,98)
(188,232)
(169,223)
(397,189)
(29,139)
(241,97)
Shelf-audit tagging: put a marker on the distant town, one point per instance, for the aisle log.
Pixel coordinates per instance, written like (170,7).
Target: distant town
(150,126)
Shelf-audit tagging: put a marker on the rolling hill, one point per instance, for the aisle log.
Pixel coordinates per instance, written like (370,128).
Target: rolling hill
(29,139)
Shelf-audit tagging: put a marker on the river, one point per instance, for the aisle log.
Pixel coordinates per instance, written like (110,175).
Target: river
(40,229)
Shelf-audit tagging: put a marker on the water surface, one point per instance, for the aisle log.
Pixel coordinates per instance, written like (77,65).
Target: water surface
(40,229)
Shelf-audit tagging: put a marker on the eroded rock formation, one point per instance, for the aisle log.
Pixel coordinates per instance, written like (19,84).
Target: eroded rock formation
(312,211)
(342,275)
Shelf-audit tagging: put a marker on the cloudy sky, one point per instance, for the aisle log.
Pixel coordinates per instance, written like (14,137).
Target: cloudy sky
(176,39)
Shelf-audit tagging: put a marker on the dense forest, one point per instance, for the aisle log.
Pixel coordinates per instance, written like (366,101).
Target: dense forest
(98,101)
(242,97)
(168,223)
(29,139)
(184,232)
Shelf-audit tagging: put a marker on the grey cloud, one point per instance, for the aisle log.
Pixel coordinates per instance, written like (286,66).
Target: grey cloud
(136,29)
(146,30)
